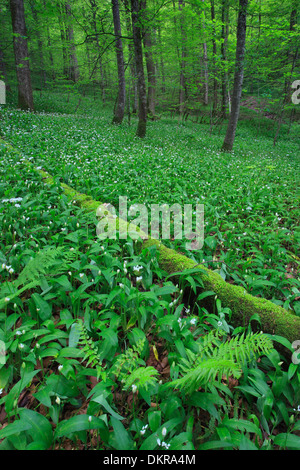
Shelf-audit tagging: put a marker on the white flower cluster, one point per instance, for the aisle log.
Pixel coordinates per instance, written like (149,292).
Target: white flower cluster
(13,199)
(8,268)
(163,443)
(182,323)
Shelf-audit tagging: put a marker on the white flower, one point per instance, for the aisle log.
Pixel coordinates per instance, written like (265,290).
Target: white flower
(1,390)
(90,418)
(193,321)
(7,299)
(139,278)
(143,430)
(219,323)
(158,441)
(60,367)
(137,268)
(21,345)
(164,431)
(57,400)
(18,332)
(81,274)
(134,388)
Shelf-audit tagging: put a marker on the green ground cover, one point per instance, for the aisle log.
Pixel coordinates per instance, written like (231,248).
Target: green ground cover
(102,351)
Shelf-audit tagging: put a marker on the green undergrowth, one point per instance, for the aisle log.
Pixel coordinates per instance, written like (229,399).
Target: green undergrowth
(99,347)
(250,197)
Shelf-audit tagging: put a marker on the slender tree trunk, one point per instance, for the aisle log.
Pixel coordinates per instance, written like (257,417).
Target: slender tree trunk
(131,59)
(25,96)
(238,77)
(120,108)
(205,64)
(214,44)
(39,43)
(3,74)
(150,65)
(137,40)
(61,22)
(73,67)
(182,87)
(162,65)
(225,32)
(99,58)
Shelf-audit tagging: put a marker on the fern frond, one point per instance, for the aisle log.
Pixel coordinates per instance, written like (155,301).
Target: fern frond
(205,372)
(50,261)
(216,359)
(129,360)
(143,377)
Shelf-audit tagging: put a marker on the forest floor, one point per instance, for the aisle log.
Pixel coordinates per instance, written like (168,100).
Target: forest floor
(85,323)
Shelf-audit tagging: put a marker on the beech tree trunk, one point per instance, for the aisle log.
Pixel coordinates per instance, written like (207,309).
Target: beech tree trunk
(99,58)
(137,40)
(25,96)
(215,72)
(131,60)
(150,65)
(225,32)
(182,84)
(120,108)
(238,77)
(73,64)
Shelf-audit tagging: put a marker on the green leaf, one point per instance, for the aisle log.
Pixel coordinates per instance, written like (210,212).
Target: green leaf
(154,420)
(77,424)
(40,427)
(121,438)
(102,401)
(45,308)
(287,441)
(14,428)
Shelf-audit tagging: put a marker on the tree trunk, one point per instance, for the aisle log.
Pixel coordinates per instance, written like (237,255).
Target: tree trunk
(225,32)
(150,65)
(61,23)
(40,44)
(205,64)
(238,77)
(214,44)
(137,40)
(120,108)
(3,74)
(25,96)
(182,85)
(73,67)
(99,58)
(131,59)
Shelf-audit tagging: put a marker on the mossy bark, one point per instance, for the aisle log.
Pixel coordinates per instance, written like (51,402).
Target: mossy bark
(273,318)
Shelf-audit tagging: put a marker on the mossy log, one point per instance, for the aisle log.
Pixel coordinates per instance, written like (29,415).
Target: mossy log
(274,319)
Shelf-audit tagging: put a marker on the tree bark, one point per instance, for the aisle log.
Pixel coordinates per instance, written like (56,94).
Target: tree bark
(25,96)
(131,59)
(99,59)
(120,108)
(137,40)
(238,77)
(214,47)
(73,64)
(182,84)
(150,65)
(39,43)
(225,32)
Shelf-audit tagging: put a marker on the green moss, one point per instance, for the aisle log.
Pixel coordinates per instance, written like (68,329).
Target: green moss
(274,319)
